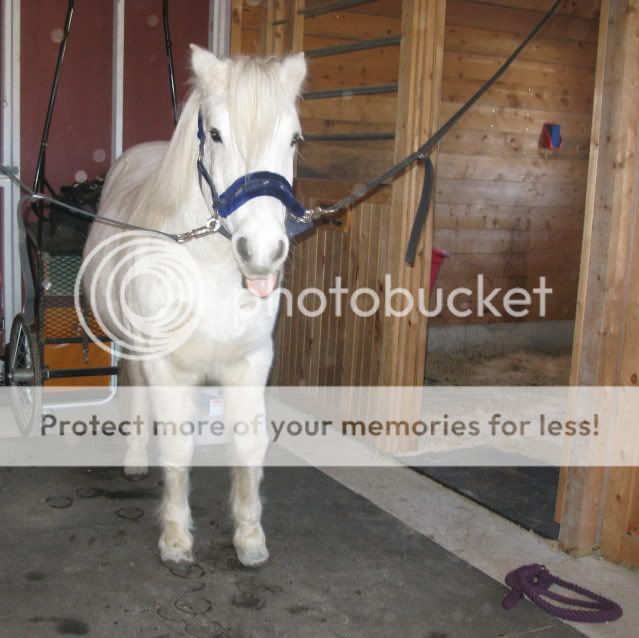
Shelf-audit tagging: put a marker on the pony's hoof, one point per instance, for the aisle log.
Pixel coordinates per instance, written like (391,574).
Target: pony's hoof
(172,556)
(135,473)
(252,555)
(176,548)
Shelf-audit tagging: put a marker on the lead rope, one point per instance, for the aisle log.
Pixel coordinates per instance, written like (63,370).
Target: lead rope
(180,238)
(534,581)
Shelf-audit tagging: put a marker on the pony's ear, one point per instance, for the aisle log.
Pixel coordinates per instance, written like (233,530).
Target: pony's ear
(294,72)
(209,70)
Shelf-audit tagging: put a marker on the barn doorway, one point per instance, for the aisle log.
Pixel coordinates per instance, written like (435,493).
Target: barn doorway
(511,211)
(525,495)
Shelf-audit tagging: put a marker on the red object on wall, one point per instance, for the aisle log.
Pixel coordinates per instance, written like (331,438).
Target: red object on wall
(437,260)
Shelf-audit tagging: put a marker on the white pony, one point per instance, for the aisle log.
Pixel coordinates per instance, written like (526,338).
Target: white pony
(248,107)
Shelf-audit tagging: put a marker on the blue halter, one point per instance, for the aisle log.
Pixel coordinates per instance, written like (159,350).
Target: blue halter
(248,187)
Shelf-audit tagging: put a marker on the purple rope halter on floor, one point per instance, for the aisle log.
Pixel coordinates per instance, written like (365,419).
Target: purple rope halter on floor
(534,581)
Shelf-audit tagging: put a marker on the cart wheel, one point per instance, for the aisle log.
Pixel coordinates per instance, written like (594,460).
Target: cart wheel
(24,373)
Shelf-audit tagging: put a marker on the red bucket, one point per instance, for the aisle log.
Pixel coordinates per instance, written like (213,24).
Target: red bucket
(437,260)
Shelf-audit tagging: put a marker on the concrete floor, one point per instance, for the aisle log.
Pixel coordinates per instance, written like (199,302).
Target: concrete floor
(491,543)
(78,557)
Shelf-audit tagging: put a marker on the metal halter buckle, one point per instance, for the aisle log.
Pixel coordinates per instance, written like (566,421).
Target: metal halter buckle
(311,215)
(213,225)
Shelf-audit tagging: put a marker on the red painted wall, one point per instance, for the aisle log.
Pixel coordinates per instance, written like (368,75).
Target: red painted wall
(80,137)
(80,140)
(147,105)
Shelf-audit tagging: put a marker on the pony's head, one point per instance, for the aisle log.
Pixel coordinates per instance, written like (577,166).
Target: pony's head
(248,107)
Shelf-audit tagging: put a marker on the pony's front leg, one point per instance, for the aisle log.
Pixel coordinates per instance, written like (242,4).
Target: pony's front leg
(136,461)
(248,535)
(176,539)
(172,409)
(244,404)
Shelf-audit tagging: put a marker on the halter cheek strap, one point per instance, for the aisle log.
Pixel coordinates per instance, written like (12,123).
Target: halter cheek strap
(214,224)
(246,188)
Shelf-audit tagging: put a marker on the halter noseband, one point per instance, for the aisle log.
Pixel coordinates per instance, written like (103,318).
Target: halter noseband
(244,189)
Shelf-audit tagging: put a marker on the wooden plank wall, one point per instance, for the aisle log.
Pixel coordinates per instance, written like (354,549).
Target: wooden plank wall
(332,349)
(346,349)
(350,161)
(504,207)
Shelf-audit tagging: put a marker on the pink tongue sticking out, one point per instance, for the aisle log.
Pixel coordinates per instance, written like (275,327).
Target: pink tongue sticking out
(263,286)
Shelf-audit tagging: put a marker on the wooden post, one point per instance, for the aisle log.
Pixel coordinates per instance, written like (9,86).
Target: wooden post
(606,326)
(270,13)
(284,26)
(419,97)
(235,47)
(295,18)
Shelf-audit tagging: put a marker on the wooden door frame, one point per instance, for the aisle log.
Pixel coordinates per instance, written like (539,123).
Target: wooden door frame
(10,194)
(594,504)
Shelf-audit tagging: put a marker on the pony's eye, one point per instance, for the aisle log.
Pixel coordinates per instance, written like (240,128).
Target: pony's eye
(215,135)
(297,138)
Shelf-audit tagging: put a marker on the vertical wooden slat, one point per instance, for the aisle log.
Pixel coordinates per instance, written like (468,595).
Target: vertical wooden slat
(419,95)
(618,522)
(310,325)
(596,502)
(327,331)
(235,47)
(380,269)
(338,355)
(583,370)
(293,363)
(335,350)
(363,363)
(317,280)
(296,25)
(268,29)
(352,252)
(275,28)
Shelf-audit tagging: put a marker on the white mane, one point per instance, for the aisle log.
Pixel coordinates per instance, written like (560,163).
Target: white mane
(256,98)
(169,184)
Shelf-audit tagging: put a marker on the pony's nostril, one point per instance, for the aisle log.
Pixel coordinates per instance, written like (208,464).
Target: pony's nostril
(279,251)
(242,249)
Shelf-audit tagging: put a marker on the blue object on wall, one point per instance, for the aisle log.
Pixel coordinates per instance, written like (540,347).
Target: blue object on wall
(551,136)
